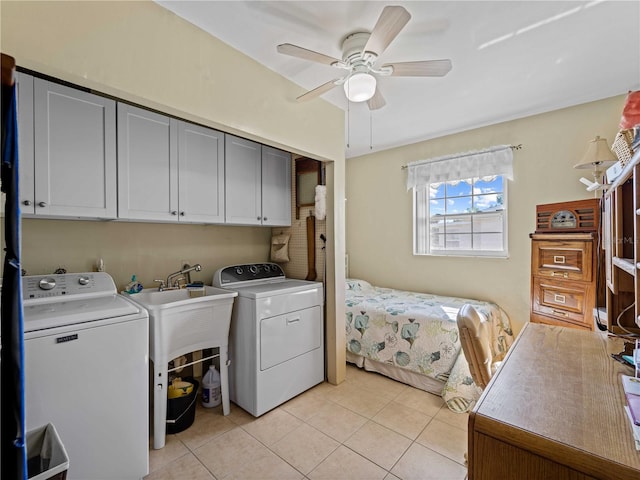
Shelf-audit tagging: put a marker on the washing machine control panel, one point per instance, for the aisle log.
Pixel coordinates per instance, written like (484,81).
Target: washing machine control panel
(244,273)
(65,285)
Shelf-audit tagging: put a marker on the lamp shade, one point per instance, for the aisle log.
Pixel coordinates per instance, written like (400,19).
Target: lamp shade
(598,154)
(360,87)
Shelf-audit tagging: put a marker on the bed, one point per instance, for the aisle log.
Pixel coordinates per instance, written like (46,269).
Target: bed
(413,338)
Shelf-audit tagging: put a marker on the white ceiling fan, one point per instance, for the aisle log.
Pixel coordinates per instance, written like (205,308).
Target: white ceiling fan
(360,51)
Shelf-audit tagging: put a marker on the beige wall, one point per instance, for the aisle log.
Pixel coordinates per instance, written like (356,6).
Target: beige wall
(379,227)
(142,53)
(149,250)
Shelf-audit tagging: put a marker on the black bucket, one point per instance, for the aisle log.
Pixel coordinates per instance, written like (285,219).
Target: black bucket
(181,411)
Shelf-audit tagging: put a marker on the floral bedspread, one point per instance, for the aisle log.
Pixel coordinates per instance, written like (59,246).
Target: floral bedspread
(418,332)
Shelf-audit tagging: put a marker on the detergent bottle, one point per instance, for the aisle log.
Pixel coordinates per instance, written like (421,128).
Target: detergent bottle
(211,391)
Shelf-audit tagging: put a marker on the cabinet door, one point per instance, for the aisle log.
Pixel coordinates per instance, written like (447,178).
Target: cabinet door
(75,152)
(276,187)
(243,181)
(24,85)
(201,174)
(147,165)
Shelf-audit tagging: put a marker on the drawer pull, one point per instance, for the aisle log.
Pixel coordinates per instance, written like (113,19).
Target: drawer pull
(293,320)
(558,259)
(560,274)
(559,312)
(559,298)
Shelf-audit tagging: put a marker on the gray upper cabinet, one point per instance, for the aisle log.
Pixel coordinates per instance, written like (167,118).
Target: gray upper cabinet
(87,156)
(67,151)
(24,92)
(243,160)
(201,174)
(276,187)
(168,170)
(258,183)
(147,165)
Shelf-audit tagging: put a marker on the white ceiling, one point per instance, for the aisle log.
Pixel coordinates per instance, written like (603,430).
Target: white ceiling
(511,59)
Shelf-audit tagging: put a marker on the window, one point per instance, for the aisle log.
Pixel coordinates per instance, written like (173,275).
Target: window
(461,217)
(460,202)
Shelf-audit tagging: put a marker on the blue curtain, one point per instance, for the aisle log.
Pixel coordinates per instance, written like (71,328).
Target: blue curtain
(12,418)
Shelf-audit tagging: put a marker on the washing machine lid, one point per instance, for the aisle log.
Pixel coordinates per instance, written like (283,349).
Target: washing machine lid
(280,287)
(41,316)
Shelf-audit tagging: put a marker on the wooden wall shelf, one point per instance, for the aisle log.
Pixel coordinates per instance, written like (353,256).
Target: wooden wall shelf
(621,243)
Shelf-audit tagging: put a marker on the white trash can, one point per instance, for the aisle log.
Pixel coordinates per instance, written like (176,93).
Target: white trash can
(47,458)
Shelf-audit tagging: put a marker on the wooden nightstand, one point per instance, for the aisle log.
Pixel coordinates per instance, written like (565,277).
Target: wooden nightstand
(563,281)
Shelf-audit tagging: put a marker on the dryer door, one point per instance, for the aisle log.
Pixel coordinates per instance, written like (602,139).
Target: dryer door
(287,336)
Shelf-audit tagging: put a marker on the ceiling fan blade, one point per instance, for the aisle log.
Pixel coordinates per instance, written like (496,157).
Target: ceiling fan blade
(316,92)
(295,51)
(426,68)
(377,101)
(392,20)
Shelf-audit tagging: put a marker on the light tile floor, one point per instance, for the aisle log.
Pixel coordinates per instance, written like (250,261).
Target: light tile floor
(369,427)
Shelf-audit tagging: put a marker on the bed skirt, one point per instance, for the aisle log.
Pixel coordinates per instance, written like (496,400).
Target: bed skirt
(402,375)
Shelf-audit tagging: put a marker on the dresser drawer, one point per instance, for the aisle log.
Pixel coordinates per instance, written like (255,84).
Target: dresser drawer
(562,300)
(565,260)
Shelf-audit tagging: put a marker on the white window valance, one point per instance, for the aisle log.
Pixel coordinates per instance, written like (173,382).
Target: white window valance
(496,160)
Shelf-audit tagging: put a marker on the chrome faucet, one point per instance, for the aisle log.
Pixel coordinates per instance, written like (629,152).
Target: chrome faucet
(173,280)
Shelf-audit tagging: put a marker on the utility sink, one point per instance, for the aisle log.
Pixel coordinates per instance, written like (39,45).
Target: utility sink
(180,323)
(183,321)
(159,300)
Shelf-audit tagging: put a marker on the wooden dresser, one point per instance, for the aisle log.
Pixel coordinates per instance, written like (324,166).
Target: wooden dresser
(563,280)
(554,410)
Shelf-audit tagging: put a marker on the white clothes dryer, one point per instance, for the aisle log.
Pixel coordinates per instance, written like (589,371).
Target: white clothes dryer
(276,340)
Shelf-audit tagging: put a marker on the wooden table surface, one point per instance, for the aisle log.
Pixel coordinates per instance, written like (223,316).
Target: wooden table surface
(559,395)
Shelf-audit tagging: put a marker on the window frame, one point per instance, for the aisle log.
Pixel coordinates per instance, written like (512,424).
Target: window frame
(422,218)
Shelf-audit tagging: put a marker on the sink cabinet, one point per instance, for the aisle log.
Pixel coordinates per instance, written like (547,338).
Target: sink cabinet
(168,170)
(258,183)
(67,149)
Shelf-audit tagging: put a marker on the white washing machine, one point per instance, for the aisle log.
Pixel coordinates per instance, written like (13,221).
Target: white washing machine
(276,340)
(86,371)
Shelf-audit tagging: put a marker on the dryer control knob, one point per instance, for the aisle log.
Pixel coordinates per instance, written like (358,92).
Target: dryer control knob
(239,271)
(83,280)
(253,269)
(47,283)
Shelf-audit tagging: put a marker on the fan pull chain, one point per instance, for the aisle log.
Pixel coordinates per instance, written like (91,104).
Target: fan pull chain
(370,130)
(348,122)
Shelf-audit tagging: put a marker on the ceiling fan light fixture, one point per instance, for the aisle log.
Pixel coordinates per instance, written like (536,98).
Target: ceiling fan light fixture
(360,87)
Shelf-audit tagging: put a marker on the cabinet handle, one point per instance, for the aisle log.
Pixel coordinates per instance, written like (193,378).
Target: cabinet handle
(559,312)
(559,298)
(182,214)
(560,274)
(173,212)
(558,259)
(258,218)
(27,203)
(264,218)
(42,204)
